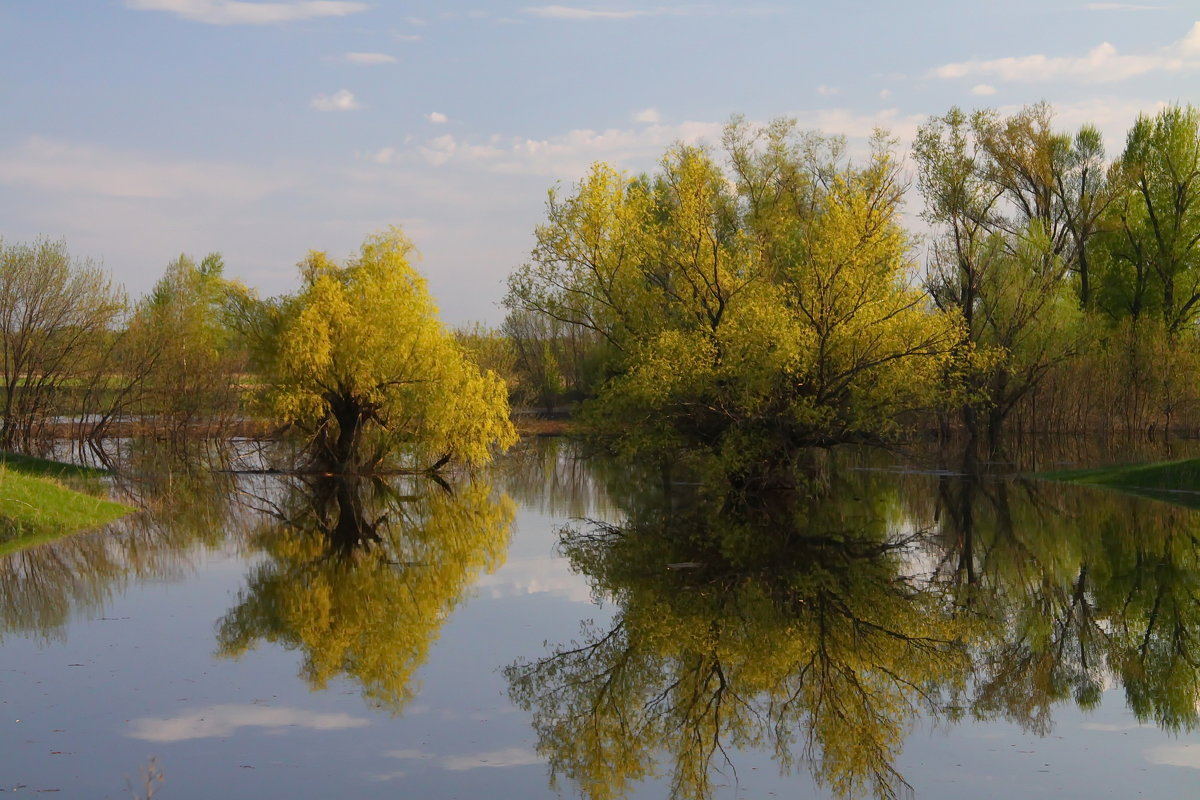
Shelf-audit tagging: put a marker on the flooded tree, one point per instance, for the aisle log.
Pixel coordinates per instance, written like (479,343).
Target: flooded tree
(752,312)
(57,317)
(359,363)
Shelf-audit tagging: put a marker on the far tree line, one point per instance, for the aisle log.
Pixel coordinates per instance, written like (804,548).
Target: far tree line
(750,300)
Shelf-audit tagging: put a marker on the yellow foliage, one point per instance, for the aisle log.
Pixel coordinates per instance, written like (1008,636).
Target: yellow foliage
(360,358)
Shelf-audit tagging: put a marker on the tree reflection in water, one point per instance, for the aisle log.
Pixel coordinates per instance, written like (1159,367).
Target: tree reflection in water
(186,502)
(820,625)
(794,622)
(361,572)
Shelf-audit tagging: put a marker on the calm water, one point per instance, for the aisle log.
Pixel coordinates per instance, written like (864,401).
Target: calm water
(567,628)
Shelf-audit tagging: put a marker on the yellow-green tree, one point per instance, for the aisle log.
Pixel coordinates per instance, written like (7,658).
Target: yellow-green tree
(1011,204)
(360,363)
(771,300)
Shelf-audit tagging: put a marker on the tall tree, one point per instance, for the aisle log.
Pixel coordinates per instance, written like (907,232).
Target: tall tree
(56,317)
(1152,247)
(1011,212)
(776,298)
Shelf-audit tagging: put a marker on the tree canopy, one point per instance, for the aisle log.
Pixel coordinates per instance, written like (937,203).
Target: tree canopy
(359,361)
(774,296)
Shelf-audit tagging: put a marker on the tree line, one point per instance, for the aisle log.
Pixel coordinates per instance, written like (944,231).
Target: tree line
(771,287)
(749,300)
(355,361)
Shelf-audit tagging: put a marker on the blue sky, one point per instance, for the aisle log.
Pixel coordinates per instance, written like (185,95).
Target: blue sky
(140,129)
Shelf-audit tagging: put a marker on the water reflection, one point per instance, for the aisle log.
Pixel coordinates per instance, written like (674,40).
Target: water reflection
(360,573)
(821,624)
(797,622)
(184,503)
(1085,587)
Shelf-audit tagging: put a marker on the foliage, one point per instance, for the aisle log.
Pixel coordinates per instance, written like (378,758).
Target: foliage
(55,319)
(182,352)
(1012,205)
(1151,243)
(359,362)
(773,299)
(787,622)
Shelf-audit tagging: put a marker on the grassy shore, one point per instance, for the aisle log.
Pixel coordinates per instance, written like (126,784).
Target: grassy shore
(43,500)
(1176,481)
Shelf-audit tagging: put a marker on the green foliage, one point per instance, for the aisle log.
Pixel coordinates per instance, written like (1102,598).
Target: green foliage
(1012,205)
(775,298)
(819,624)
(1150,248)
(791,622)
(55,320)
(360,363)
(181,351)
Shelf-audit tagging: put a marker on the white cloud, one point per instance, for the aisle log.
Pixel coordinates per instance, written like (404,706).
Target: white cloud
(446,148)
(437,118)
(648,115)
(1174,755)
(370,58)
(827,91)
(508,757)
(568,155)
(884,94)
(505,757)
(236,12)
(853,125)
(57,166)
(570,12)
(1101,64)
(224,720)
(341,100)
(385,155)
(1122,7)
(537,575)
(983,89)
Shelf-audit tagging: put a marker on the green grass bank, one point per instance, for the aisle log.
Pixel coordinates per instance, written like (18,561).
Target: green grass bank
(1175,481)
(43,500)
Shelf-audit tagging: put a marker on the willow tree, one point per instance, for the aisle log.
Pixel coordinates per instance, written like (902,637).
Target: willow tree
(360,363)
(764,306)
(794,623)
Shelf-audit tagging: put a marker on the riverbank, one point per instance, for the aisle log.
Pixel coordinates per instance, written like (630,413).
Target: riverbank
(1174,481)
(43,500)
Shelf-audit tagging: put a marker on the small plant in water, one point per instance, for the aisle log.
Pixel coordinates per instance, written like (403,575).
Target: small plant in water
(151,777)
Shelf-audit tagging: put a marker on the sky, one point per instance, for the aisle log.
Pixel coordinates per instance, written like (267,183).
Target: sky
(137,130)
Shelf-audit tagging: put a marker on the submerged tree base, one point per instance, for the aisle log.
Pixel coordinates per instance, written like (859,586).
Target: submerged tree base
(36,507)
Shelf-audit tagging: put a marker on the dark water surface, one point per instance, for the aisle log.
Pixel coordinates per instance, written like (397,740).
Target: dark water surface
(887,630)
